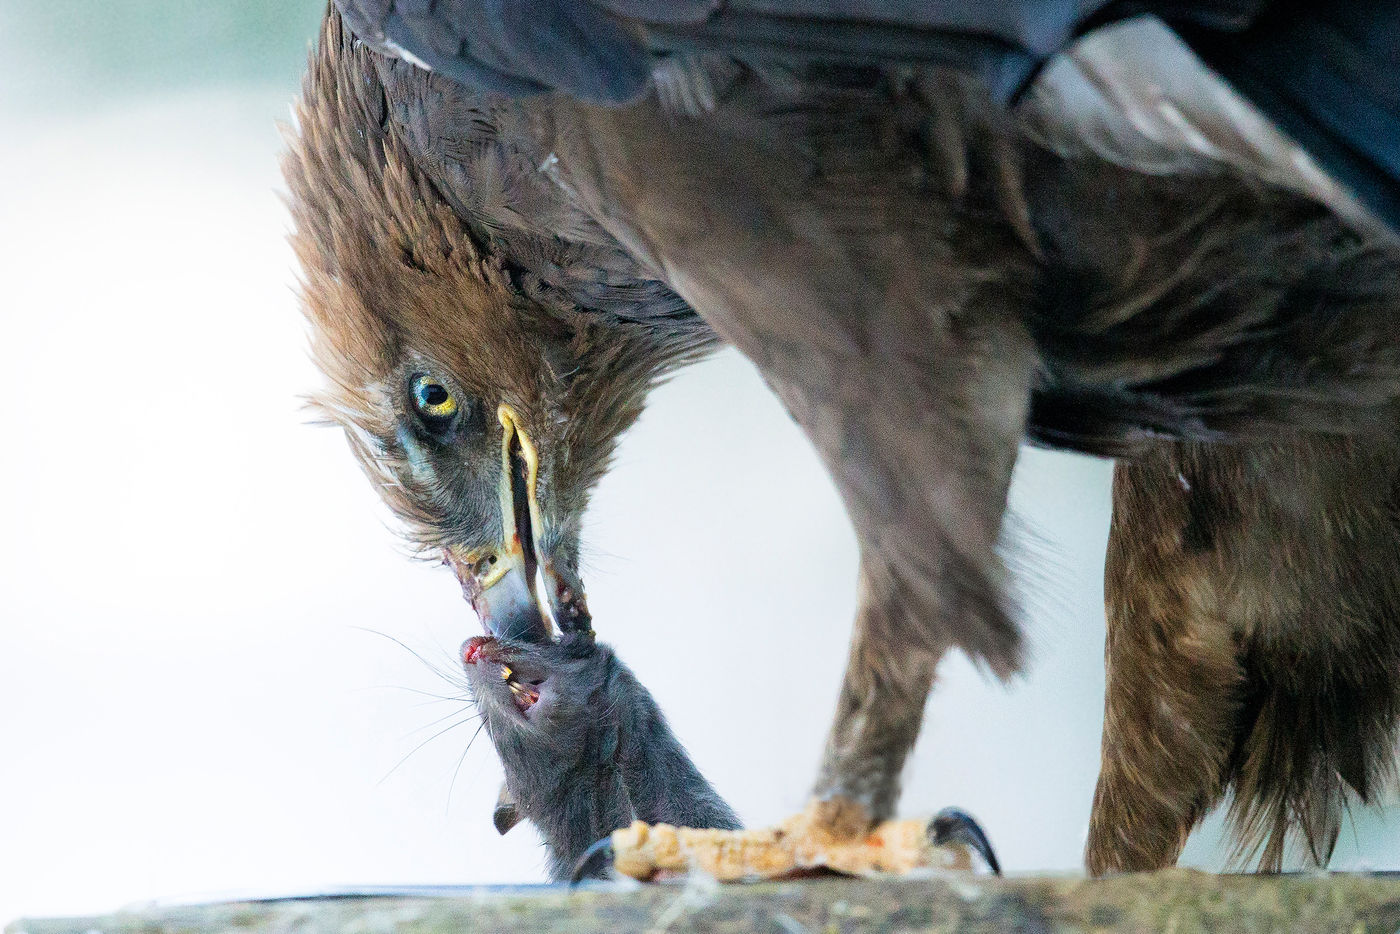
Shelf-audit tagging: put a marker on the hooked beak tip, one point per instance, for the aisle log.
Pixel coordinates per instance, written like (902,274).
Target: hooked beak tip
(518,590)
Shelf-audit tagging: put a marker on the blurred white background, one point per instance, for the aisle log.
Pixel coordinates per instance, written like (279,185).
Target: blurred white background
(199,687)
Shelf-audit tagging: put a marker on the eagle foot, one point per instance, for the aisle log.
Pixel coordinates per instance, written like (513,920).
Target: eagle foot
(811,842)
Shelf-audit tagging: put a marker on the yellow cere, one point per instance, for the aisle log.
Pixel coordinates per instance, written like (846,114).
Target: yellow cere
(505,672)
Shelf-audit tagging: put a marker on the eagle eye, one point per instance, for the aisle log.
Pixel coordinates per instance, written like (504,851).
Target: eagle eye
(433,402)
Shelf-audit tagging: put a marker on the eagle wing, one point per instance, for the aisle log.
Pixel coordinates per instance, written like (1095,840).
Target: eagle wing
(604,50)
(1325,74)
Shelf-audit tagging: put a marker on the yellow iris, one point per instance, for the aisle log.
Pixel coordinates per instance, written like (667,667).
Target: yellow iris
(432,398)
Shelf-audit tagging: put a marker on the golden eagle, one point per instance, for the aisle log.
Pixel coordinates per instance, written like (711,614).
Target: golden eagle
(926,276)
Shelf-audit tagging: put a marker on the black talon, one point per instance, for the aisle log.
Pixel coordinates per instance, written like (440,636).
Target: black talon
(952,825)
(594,859)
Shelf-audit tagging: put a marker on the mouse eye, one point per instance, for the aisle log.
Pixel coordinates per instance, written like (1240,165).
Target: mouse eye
(433,401)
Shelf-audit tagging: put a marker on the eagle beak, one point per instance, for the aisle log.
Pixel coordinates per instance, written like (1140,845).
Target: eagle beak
(505,583)
(500,581)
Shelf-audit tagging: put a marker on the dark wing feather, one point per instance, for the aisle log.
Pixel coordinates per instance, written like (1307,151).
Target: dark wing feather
(602,51)
(605,51)
(1324,71)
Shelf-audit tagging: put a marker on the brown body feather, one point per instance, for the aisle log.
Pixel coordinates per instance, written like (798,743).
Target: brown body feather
(1254,645)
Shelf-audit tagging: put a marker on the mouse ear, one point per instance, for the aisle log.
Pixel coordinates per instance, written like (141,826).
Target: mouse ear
(506,815)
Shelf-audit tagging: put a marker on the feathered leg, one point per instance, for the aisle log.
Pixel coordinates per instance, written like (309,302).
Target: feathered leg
(879,710)
(1254,645)
(1173,676)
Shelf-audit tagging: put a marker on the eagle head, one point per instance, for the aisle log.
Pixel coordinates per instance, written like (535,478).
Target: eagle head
(483,413)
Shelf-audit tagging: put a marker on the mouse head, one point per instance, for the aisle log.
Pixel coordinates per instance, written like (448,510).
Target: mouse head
(535,688)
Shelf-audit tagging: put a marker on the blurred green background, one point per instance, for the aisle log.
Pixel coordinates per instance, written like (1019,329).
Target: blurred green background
(73,55)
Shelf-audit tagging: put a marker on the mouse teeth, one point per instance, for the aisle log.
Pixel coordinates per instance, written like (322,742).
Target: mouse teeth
(525,698)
